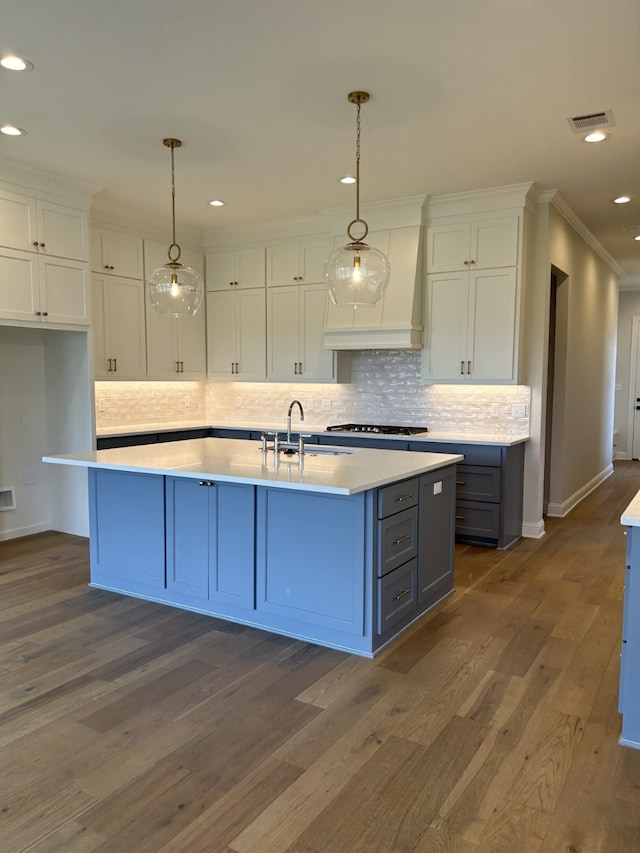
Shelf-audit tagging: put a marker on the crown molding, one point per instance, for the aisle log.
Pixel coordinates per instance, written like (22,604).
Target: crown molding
(49,184)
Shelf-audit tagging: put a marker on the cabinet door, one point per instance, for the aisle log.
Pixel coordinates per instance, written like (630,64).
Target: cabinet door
(312,256)
(19,297)
(64,231)
(494,242)
(192,347)
(436,534)
(119,346)
(251,335)
(244,268)
(283,265)
(117,254)
(446,308)
(232,548)
(448,247)
(492,323)
(126,513)
(221,334)
(283,333)
(162,345)
(189,519)
(64,291)
(17,221)
(316,363)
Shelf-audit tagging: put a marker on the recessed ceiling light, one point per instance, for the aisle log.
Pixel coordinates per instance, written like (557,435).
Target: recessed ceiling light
(216,202)
(15,63)
(622,199)
(596,136)
(347,179)
(11,130)
(637,237)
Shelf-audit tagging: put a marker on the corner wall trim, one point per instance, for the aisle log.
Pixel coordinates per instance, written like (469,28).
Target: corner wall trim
(533,530)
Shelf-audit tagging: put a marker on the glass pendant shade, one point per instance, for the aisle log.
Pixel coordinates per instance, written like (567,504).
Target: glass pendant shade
(357,275)
(176,290)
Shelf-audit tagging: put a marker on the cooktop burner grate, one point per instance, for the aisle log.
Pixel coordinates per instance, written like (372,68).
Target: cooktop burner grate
(382,429)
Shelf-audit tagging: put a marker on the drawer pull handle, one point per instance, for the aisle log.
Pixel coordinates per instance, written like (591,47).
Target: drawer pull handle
(459,517)
(401,498)
(205,483)
(401,594)
(402,539)
(460,483)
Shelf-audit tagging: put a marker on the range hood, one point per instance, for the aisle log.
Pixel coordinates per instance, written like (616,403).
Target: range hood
(395,229)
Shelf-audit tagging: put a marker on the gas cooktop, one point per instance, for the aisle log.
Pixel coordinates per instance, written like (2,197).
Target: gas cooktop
(382,429)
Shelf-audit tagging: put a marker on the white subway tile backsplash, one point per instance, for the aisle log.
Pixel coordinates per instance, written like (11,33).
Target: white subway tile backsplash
(385,388)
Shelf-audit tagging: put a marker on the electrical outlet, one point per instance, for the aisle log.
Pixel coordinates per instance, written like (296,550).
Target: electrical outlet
(495,410)
(326,405)
(29,478)
(519,410)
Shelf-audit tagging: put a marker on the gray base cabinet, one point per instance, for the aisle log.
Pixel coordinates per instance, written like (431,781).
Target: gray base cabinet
(629,695)
(349,572)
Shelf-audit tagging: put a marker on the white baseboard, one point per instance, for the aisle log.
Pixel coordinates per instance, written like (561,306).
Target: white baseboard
(533,530)
(560,510)
(17,532)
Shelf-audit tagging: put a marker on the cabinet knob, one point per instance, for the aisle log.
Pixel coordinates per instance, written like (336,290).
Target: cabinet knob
(472,262)
(45,313)
(38,313)
(42,245)
(466,263)
(35,242)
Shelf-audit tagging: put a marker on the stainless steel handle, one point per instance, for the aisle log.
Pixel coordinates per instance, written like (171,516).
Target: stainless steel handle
(401,539)
(406,497)
(401,594)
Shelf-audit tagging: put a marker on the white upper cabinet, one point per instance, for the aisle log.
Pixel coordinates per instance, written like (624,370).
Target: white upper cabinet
(471,325)
(176,346)
(475,244)
(236,335)
(299,262)
(295,324)
(34,225)
(483,243)
(117,253)
(237,268)
(117,308)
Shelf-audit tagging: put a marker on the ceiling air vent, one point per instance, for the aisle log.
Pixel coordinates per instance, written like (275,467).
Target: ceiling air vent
(591,121)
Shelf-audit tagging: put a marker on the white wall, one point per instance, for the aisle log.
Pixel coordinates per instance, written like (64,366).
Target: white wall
(23,430)
(583,413)
(46,408)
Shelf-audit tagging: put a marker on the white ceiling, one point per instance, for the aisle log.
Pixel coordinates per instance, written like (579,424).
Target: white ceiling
(465,94)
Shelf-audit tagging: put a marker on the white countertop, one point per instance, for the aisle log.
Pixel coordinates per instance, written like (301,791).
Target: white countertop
(239,461)
(631,515)
(314,429)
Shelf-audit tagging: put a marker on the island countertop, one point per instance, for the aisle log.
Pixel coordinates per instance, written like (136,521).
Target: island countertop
(336,470)
(631,516)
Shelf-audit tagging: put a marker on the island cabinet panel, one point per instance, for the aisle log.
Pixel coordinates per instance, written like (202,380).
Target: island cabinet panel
(210,540)
(311,559)
(127,530)
(436,534)
(629,695)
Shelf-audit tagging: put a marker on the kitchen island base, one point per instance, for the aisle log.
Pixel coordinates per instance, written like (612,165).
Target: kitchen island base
(350,572)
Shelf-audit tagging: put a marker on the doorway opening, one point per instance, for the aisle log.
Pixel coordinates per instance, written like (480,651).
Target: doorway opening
(556,378)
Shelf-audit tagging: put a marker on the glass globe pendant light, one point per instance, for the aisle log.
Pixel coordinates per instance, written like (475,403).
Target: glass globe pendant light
(357,274)
(174,289)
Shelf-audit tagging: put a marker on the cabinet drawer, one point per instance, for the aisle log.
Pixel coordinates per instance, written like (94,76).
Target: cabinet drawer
(397,496)
(474,518)
(478,483)
(397,540)
(396,595)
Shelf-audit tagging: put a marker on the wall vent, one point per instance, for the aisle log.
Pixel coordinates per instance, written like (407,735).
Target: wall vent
(7,498)
(591,121)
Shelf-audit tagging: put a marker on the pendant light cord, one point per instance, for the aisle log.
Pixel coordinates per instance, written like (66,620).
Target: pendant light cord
(357,163)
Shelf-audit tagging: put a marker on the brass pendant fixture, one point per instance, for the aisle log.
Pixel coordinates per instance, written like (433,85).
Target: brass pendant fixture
(357,274)
(174,289)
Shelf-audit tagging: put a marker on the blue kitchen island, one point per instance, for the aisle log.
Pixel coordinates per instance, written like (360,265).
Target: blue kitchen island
(341,547)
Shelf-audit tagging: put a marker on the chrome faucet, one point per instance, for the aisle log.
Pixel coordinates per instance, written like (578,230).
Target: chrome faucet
(292,404)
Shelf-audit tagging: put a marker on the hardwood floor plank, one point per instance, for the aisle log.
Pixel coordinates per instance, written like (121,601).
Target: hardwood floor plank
(490,726)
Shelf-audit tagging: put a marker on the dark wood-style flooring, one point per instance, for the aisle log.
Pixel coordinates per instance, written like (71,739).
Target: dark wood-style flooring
(492,726)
